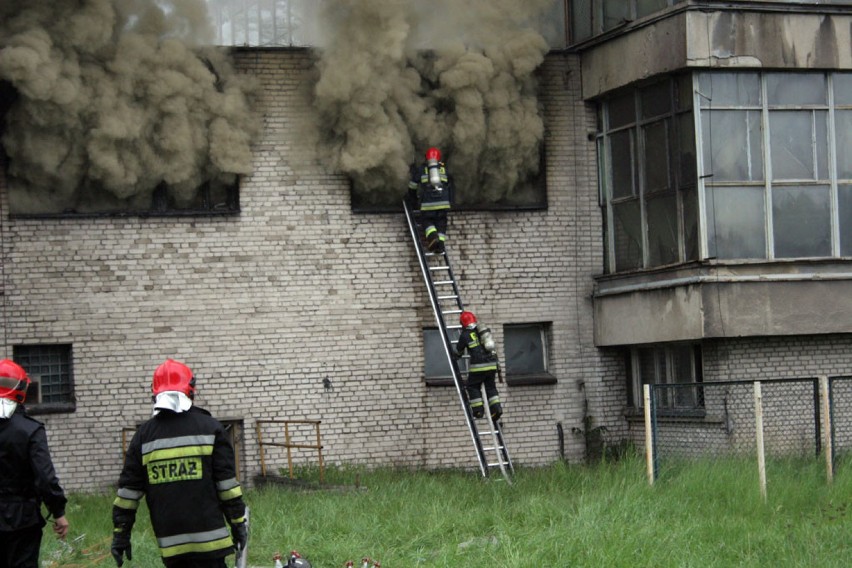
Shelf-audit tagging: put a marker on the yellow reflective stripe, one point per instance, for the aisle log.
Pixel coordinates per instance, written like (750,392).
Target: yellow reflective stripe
(122,503)
(238,521)
(483,367)
(172,453)
(435,206)
(210,546)
(230,494)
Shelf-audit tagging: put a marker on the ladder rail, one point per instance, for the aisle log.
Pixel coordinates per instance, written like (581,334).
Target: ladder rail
(442,328)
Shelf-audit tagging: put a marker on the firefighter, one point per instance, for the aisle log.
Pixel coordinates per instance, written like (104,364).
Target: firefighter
(182,462)
(430,185)
(27,476)
(482,368)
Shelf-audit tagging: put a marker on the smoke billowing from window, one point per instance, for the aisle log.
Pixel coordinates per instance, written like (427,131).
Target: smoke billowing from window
(398,76)
(113,98)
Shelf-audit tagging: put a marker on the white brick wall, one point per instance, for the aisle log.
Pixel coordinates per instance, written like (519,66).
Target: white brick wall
(265,305)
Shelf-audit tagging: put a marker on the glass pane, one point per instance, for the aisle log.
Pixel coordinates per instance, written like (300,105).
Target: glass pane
(602,177)
(802,221)
(622,110)
(628,235)
(436,365)
(729,89)
(796,89)
(656,100)
(791,144)
(844,195)
(615,12)
(685,397)
(656,163)
(735,222)
(842,88)
(686,164)
(821,142)
(645,7)
(662,230)
(732,145)
(581,20)
(621,163)
(843,131)
(690,223)
(525,352)
(683,92)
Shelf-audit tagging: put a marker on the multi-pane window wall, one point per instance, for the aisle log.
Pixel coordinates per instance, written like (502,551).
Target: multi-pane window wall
(771,179)
(646,152)
(592,17)
(777,164)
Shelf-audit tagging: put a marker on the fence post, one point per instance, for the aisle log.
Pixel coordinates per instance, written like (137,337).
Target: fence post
(826,428)
(758,429)
(649,442)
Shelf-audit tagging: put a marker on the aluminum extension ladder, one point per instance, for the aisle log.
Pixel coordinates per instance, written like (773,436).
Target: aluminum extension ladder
(444,295)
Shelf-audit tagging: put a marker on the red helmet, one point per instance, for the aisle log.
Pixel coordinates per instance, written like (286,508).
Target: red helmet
(467,318)
(433,154)
(13,381)
(173,376)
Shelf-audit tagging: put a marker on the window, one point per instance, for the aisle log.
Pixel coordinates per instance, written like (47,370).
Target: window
(211,198)
(592,17)
(49,367)
(646,151)
(436,367)
(666,364)
(525,348)
(776,164)
(775,161)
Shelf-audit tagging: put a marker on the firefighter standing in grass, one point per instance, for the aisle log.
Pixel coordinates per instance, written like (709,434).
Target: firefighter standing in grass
(431,185)
(182,462)
(482,368)
(27,477)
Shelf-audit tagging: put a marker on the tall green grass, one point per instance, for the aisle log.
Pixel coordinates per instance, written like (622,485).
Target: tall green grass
(705,514)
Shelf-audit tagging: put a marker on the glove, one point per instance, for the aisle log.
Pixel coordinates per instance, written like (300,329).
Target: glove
(239,532)
(120,547)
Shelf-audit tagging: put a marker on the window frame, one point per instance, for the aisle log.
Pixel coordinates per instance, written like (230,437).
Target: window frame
(825,187)
(536,377)
(668,352)
(65,353)
(626,252)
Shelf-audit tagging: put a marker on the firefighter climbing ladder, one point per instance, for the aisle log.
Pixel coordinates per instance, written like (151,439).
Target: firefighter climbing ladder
(446,300)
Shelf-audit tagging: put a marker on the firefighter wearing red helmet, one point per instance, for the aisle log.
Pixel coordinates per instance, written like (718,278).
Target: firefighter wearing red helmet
(482,366)
(27,475)
(182,462)
(431,186)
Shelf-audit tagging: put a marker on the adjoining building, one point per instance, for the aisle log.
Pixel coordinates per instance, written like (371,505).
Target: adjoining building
(696,225)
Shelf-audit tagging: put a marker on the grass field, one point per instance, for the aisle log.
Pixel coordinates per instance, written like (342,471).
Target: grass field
(708,514)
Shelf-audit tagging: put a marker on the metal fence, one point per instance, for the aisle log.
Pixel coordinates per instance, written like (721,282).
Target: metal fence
(803,418)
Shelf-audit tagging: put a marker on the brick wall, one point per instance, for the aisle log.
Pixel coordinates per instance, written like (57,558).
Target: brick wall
(265,305)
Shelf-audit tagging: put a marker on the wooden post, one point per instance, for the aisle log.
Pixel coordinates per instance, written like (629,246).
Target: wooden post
(758,429)
(826,428)
(260,445)
(289,446)
(649,442)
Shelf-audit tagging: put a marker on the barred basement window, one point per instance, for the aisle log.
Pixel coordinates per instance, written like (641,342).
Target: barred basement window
(667,364)
(50,368)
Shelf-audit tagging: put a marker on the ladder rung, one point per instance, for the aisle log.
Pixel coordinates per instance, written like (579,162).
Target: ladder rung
(439,268)
(453,297)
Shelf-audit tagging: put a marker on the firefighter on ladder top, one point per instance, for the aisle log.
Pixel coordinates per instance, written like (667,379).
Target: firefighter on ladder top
(429,185)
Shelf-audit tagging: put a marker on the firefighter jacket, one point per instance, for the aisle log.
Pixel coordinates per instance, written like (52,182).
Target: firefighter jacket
(183,464)
(27,477)
(431,198)
(481,360)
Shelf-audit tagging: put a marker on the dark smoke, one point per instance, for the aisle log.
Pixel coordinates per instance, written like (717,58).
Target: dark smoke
(113,98)
(398,76)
